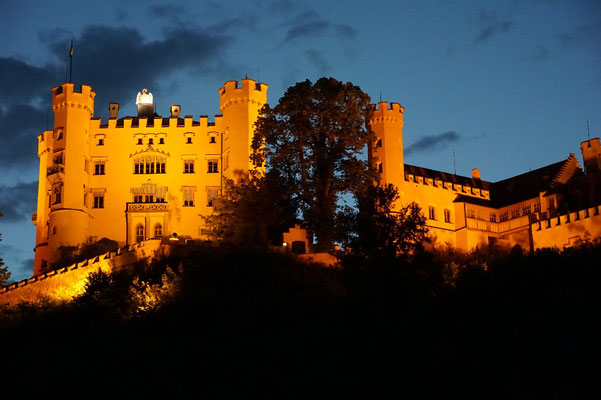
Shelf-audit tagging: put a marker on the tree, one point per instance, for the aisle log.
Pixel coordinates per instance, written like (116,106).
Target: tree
(311,143)
(377,232)
(250,212)
(4,272)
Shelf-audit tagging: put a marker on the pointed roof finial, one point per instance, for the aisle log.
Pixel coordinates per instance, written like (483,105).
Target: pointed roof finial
(246,76)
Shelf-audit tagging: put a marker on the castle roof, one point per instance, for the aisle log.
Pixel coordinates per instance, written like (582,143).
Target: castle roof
(508,191)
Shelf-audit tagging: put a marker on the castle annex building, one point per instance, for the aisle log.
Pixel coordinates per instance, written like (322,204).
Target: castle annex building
(137,178)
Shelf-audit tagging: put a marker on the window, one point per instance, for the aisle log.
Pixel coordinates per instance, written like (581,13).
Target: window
(57,194)
(537,206)
(551,204)
(140,141)
(379,142)
(527,209)
(149,165)
(447,216)
(213,166)
(189,140)
(161,141)
(380,167)
(515,212)
(54,230)
(138,198)
(212,139)
(471,213)
(188,166)
(139,233)
(226,161)
(100,142)
(160,194)
(504,216)
(431,212)
(493,217)
(58,158)
(150,141)
(212,195)
(60,134)
(188,196)
(158,231)
(149,198)
(98,200)
(99,168)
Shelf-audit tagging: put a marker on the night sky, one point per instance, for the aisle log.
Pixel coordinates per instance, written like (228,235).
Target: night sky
(507,85)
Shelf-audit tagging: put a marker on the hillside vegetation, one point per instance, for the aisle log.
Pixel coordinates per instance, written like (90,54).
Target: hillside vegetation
(235,321)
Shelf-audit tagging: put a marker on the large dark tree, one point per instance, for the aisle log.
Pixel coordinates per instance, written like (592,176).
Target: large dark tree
(311,142)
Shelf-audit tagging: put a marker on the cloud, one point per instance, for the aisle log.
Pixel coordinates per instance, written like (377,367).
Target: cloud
(18,202)
(19,126)
(584,35)
(311,25)
(318,60)
(432,142)
(24,83)
(491,26)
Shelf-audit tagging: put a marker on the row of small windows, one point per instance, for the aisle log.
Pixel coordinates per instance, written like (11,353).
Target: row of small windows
(188,198)
(140,141)
(516,212)
(157,166)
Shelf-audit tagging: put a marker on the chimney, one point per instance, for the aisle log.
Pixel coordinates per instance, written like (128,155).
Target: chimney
(113,110)
(475,173)
(175,110)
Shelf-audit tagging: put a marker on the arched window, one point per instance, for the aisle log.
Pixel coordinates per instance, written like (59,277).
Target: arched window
(140,233)
(158,231)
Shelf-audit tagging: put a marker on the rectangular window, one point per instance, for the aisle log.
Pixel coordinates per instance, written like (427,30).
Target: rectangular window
(213,166)
(98,200)
(212,195)
(150,168)
(99,168)
(212,139)
(431,213)
(188,196)
(188,166)
(160,167)
(138,198)
(149,198)
(493,217)
(515,212)
(138,167)
(100,142)
(58,158)
(471,213)
(504,216)
(537,206)
(527,209)
(447,216)
(57,194)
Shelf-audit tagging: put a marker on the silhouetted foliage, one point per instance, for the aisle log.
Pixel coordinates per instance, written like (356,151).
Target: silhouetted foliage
(311,142)
(68,255)
(4,272)
(251,212)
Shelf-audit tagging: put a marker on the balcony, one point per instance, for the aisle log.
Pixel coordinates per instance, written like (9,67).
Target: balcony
(500,227)
(55,169)
(147,207)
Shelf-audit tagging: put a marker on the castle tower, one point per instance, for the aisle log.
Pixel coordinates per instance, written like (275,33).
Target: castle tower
(591,154)
(62,217)
(387,151)
(240,107)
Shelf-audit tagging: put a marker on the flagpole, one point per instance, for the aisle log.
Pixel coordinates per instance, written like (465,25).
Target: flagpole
(71,63)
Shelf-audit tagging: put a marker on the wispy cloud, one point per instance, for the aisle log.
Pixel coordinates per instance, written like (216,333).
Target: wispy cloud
(491,26)
(432,142)
(312,25)
(18,202)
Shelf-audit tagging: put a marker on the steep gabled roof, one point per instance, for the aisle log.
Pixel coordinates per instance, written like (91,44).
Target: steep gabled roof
(511,190)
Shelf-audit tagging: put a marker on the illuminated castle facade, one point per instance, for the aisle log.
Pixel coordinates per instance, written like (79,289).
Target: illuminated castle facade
(554,206)
(143,177)
(136,178)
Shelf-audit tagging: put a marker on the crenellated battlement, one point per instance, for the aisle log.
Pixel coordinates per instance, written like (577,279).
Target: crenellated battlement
(250,92)
(66,97)
(387,112)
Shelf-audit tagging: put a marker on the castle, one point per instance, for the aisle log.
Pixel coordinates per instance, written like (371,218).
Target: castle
(144,177)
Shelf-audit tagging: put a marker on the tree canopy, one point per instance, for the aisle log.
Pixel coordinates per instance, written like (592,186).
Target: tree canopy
(311,143)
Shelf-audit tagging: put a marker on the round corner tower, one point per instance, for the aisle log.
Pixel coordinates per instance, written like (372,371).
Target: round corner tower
(240,107)
(62,217)
(386,154)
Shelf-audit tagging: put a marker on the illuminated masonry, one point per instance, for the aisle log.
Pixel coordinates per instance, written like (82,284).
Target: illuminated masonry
(553,206)
(136,178)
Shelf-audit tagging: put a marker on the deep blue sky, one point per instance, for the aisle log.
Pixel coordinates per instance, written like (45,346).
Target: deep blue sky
(507,85)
